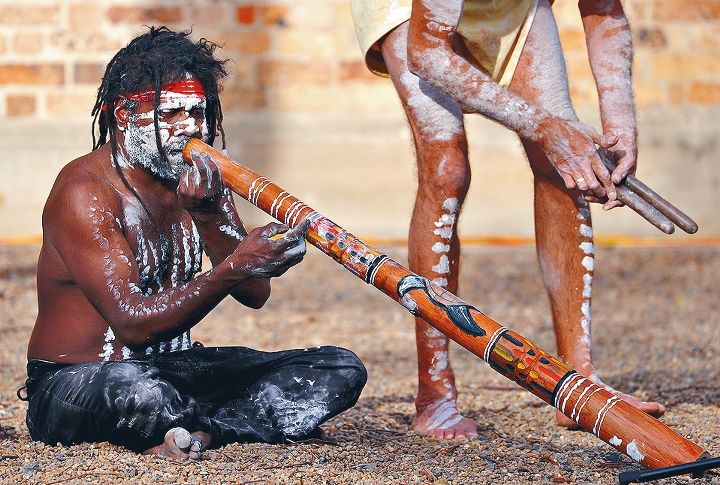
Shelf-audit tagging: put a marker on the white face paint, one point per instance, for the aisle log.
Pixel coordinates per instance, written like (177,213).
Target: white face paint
(180,116)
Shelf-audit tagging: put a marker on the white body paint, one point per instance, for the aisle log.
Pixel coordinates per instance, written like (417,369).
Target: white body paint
(633,451)
(182,257)
(436,119)
(442,415)
(295,416)
(443,12)
(140,141)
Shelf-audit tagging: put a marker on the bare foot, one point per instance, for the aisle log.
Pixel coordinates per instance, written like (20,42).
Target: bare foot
(442,420)
(181,445)
(654,409)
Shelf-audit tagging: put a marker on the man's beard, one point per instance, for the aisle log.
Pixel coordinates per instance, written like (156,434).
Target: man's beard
(142,150)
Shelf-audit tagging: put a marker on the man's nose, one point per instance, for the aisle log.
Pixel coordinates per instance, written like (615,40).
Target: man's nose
(187,126)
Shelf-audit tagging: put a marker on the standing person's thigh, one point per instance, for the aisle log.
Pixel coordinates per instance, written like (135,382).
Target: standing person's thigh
(435,119)
(541,77)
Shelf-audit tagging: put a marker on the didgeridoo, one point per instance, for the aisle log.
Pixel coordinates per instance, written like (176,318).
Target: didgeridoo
(638,435)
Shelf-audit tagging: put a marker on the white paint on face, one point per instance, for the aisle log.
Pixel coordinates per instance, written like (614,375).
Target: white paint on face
(140,139)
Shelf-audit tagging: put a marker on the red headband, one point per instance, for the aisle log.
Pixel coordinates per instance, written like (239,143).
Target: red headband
(186,86)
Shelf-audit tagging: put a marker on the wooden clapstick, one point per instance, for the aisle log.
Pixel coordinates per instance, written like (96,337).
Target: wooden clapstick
(649,204)
(616,422)
(644,209)
(670,211)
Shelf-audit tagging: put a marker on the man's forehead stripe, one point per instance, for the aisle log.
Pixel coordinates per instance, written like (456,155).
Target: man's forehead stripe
(186,86)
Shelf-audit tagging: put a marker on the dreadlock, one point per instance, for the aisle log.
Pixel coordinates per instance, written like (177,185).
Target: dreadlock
(155,58)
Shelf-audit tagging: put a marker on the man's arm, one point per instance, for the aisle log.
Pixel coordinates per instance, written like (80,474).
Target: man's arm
(609,44)
(83,225)
(570,145)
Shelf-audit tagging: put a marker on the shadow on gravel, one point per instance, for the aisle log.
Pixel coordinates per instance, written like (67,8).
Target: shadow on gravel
(672,387)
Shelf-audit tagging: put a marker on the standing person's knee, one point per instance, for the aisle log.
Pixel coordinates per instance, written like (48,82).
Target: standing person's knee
(448,174)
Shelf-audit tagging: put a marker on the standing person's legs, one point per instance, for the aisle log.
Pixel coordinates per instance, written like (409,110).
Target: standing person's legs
(563,227)
(433,248)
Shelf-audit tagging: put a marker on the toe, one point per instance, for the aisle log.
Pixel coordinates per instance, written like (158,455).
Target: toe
(181,437)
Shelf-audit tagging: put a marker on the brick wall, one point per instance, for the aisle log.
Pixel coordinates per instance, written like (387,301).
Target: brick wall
(288,55)
(296,66)
(302,55)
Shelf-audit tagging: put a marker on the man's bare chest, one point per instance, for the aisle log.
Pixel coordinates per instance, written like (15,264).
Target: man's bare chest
(167,250)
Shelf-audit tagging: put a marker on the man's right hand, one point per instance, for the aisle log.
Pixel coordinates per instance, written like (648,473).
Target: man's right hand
(271,250)
(572,148)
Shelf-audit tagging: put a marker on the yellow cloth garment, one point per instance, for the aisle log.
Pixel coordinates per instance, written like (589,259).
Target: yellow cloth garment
(492,33)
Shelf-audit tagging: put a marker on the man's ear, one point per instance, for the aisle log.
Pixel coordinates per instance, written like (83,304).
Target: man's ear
(122,115)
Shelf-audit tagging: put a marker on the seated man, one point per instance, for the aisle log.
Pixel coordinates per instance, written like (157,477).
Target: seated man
(120,283)
(502,59)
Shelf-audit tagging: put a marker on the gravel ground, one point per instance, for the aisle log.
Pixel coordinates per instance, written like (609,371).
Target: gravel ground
(656,334)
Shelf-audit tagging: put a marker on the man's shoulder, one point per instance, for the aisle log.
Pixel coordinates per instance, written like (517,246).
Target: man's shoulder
(89,166)
(83,184)
(87,174)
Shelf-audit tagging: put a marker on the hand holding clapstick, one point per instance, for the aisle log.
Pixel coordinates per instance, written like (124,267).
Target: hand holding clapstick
(646,202)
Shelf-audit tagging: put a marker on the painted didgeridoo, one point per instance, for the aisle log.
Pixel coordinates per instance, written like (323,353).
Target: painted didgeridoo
(640,436)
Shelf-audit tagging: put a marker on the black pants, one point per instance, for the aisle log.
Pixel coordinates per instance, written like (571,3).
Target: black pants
(236,394)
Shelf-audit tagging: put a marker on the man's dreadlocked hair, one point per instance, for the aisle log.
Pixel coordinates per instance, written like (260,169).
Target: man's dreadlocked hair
(149,61)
